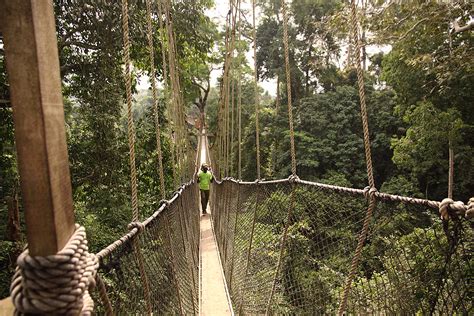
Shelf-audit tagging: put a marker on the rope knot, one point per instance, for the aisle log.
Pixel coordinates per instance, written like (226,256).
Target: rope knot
(448,207)
(470,208)
(56,284)
(165,202)
(369,192)
(138,225)
(293,178)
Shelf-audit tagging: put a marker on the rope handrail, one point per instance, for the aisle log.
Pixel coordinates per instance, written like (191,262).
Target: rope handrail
(399,267)
(353,191)
(134,231)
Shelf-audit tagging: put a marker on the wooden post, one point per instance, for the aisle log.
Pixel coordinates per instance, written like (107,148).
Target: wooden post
(35,87)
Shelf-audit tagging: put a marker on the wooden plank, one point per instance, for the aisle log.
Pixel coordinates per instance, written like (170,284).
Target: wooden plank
(214,297)
(35,87)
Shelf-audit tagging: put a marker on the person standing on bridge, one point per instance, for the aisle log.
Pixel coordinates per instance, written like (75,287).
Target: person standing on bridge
(204,178)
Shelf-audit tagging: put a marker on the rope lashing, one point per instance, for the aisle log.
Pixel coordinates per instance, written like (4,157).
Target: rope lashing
(56,284)
(165,202)
(448,207)
(470,208)
(370,192)
(293,179)
(138,225)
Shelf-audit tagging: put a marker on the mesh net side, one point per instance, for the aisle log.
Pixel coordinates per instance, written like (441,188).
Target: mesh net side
(169,245)
(410,262)
(413,263)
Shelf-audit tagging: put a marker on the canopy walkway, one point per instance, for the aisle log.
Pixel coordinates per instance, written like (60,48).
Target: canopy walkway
(286,246)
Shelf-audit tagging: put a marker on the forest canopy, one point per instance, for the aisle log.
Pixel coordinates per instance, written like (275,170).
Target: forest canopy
(418,71)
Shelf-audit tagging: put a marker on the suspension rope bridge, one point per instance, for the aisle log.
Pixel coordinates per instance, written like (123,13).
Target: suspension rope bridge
(268,247)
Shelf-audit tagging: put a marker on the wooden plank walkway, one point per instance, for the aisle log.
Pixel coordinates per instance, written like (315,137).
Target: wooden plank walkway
(213,296)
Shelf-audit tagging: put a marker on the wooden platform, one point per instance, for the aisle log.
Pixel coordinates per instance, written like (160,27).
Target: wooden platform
(213,296)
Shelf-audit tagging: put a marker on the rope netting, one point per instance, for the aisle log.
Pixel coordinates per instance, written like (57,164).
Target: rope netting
(412,262)
(169,242)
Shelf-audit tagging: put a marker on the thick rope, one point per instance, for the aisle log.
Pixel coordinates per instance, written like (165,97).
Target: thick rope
(131,144)
(130,124)
(293,177)
(288,88)
(368,158)
(56,284)
(181,139)
(255,82)
(151,51)
(249,250)
(109,311)
(291,206)
(166,86)
(451,171)
(239,105)
(232,110)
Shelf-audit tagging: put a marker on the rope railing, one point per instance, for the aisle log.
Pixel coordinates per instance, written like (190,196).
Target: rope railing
(408,264)
(169,242)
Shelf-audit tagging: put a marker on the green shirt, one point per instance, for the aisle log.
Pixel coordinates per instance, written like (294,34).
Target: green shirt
(204,180)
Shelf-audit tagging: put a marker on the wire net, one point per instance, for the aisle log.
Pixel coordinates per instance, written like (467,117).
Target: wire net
(169,244)
(411,262)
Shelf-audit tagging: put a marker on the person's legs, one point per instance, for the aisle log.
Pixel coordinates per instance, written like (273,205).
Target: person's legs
(203,201)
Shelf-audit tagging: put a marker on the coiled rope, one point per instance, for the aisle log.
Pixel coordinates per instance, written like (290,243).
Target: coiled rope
(56,284)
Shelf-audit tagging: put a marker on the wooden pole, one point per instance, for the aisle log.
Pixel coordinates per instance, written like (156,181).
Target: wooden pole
(35,87)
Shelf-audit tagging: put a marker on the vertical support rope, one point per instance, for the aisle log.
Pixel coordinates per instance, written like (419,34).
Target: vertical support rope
(451,170)
(288,88)
(181,140)
(130,124)
(151,51)
(232,110)
(239,106)
(368,160)
(255,78)
(165,84)
(249,251)
(131,144)
(109,311)
(293,156)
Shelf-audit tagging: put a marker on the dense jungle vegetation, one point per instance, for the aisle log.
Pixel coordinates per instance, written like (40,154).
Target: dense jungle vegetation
(419,78)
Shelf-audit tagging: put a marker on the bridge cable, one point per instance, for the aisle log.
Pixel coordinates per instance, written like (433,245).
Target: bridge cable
(158,142)
(256,100)
(151,52)
(368,160)
(239,100)
(166,86)
(293,155)
(131,144)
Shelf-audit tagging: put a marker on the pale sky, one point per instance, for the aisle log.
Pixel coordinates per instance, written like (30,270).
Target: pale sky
(218,15)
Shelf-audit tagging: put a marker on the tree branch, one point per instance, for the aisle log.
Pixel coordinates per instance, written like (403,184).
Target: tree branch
(458,29)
